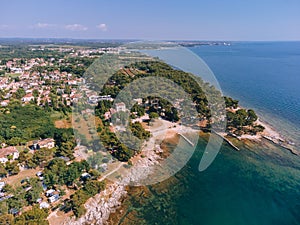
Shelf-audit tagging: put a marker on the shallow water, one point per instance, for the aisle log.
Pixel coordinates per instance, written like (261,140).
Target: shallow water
(260,185)
(257,186)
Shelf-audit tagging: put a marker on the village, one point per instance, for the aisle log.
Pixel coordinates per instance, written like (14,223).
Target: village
(39,79)
(52,84)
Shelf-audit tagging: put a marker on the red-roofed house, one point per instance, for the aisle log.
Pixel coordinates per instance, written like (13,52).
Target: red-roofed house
(28,97)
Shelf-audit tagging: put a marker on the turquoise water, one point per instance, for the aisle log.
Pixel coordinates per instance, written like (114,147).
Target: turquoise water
(259,185)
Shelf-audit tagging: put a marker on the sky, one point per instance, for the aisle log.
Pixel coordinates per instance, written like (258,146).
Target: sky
(235,20)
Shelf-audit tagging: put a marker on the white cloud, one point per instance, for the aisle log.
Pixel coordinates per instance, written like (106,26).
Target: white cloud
(76,27)
(44,25)
(102,27)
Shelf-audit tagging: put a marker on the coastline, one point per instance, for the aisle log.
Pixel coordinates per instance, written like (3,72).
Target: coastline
(101,207)
(272,135)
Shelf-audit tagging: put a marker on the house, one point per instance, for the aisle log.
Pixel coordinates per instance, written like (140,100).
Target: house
(28,97)
(39,174)
(138,101)
(120,107)
(105,97)
(2,184)
(4,103)
(50,192)
(45,143)
(107,115)
(53,198)
(24,76)
(44,205)
(16,70)
(8,151)
(72,82)
(75,97)
(85,176)
(9,64)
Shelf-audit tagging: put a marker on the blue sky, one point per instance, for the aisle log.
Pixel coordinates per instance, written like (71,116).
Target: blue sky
(152,19)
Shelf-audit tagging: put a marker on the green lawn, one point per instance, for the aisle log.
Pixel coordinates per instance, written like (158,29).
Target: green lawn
(12,75)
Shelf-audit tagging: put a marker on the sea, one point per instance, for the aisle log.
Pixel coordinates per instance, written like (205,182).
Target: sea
(258,185)
(261,75)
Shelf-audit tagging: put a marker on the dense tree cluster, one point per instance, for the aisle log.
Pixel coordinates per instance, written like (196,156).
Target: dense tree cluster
(65,141)
(164,109)
(17,125)
(102,107)
(57,172)
(231,103)
(137,110)
(35,216)
(242,121)
(138,131)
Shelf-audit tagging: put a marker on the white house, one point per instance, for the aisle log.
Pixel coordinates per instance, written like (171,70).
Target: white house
(4,103)
(47,143)
(44,205)
(8,151)
(53,198)
(2,184)
(28,97)
(50,192)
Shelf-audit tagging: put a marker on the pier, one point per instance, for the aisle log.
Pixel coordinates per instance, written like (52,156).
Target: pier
(186,139)
(227,141)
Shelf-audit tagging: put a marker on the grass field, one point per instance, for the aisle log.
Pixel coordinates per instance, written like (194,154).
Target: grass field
(12,75)
(16,179)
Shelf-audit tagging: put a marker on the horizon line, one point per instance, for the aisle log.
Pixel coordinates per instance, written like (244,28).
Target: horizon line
(140,39)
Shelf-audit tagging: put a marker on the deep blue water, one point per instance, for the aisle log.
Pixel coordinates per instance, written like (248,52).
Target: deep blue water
(259,185)
(262,75)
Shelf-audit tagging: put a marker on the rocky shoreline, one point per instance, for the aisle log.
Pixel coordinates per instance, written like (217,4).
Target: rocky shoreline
(100,207)
(103,204)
